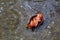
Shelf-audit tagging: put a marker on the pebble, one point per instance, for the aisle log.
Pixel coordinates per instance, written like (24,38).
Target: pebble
(11,7)
(17,37)
(10,2)
(21,6)
(52,22)
(1,8)
(2,3)
(44,6)
(0,11)
(21,39)
(57,2)
(19,12)
(48,27)
(49,32)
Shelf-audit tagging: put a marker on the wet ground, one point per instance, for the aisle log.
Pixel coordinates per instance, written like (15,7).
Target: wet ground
(14,15)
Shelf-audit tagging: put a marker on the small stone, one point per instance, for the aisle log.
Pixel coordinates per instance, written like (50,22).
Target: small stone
(2,3)
(34,33)
(10,2)
(21,39)
(49,32)
(21,6)
(1,8)
(0,11)
(57,2)
(3,33)
(17,37)
(44,5)
(1,15)
(19,12)
(11,7)
(15,32)
(52,22)
(15,17)
(48,27)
